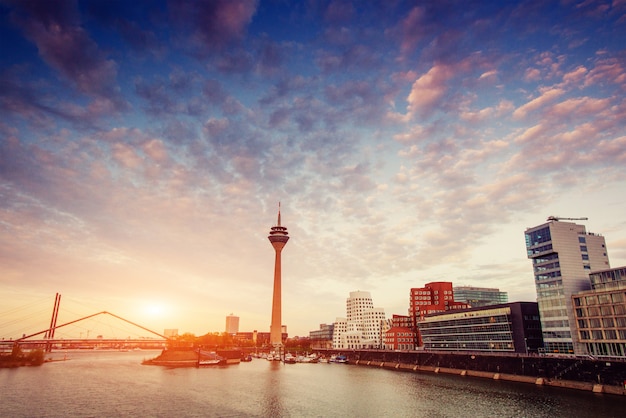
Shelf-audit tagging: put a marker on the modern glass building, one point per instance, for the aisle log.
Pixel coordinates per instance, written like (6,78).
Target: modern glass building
(322,337)
(479,296)
(601,313)
(563,254)
(512,327)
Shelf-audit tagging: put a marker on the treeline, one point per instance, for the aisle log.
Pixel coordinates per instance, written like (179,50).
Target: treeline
(224,340)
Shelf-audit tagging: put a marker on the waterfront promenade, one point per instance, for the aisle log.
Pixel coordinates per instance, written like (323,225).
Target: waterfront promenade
(596,375)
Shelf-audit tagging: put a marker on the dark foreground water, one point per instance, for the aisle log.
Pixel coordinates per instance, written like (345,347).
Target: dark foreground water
(115,384)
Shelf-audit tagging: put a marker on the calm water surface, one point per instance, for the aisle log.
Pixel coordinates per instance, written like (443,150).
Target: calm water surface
(115,384)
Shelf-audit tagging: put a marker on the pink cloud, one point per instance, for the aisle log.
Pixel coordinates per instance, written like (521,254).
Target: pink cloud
(607,72)
(575,76)
(155,149)
(428,90)
(532,74)
(579,107)
(126,155)
(537,103)
(531,134)
(412,28)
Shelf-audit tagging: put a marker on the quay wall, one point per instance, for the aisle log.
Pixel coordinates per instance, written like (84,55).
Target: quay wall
(600,376)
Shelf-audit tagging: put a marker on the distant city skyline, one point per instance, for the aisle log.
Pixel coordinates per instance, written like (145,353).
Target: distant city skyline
(144,146)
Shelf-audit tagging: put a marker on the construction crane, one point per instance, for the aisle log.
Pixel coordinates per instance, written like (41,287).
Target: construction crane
(558,218)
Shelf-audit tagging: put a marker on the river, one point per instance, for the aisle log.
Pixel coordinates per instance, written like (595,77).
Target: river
(115,384)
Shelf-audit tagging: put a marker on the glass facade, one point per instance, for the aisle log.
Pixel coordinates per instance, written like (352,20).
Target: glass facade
(479,296)
(513,327)
(562,255)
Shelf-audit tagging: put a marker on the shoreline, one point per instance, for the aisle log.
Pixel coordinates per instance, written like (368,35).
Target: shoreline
(540,381)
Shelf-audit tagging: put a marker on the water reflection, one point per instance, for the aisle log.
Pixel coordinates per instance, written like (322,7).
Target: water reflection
(272,390)
(115,384)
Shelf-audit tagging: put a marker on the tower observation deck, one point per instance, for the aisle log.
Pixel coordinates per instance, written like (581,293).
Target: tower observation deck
(278,237)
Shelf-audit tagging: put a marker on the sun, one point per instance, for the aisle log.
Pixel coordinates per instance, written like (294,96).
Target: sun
(154,309)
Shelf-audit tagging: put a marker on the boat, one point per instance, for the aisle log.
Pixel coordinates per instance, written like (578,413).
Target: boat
(311,358)
(340,358)
(290,359)
(210,359)
(211,362)
(246,358)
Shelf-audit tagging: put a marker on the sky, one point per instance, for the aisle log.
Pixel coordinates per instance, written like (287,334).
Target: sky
(145,147)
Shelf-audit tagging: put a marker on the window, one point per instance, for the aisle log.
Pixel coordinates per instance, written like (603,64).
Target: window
(583,248)
(608,322)
(585,257)
(606,310)
(582,240)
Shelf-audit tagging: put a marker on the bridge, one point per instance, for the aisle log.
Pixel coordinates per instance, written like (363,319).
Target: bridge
(49,342)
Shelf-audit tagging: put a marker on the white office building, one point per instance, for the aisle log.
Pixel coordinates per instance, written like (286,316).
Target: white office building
(363,326)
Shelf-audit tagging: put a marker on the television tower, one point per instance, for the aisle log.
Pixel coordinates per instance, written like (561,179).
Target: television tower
(278,237)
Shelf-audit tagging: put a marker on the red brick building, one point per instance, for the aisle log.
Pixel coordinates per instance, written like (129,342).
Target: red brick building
(434,297)
(400,338)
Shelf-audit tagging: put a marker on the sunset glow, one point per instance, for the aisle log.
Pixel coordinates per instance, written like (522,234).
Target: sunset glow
(145,145)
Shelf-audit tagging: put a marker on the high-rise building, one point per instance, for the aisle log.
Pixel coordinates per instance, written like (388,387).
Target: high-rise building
(479,296)
(278,237)
(232,324)
(364,325)
(563,254)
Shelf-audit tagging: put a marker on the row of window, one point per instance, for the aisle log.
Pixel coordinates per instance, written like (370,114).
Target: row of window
(600,299)
(555,324)
(550,303)
(554,313)
(467,346)
(548,266)
(460,330)
(550,292)
(545,258)
(398,340)
(607,334)
(464,322)
(605,322)
(540,250)
(606,310)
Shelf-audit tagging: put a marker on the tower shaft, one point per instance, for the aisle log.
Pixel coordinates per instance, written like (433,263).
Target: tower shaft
(278,237)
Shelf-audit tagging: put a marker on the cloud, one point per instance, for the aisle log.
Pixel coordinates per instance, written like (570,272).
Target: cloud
(428,90)
(212,25)
(538,102)
(67,47)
